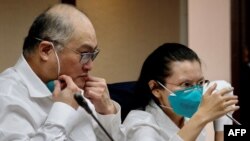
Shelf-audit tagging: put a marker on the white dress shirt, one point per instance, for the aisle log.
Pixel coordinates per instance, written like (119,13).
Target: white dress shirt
(152,125)
(27,112)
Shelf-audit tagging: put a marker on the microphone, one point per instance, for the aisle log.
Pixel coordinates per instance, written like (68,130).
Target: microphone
(233,119)
(83,103)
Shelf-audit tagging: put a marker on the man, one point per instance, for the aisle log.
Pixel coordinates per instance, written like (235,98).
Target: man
(60,48)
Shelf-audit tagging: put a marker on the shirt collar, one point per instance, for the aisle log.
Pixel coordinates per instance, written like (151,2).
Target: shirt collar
(161,118)
(165,122)
(34,84)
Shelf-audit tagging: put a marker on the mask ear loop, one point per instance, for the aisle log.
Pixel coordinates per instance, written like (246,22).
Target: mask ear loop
(58,61)
(171,93)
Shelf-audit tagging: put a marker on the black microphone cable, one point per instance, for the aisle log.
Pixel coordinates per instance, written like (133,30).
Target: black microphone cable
(82,102)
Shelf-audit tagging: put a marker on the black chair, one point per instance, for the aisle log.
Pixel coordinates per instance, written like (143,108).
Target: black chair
(123,93)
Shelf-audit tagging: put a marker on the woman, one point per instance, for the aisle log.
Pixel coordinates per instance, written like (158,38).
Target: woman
(170,89)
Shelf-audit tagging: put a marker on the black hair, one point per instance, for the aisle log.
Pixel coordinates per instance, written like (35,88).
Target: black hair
(157,67)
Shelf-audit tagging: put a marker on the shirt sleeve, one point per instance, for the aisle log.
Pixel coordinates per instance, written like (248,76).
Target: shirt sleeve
(111,123)
(18,123)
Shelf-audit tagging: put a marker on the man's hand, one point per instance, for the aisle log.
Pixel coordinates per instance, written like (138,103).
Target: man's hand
(64,91)
(96,91)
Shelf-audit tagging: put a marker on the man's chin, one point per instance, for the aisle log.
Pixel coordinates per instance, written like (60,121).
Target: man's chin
(80,83)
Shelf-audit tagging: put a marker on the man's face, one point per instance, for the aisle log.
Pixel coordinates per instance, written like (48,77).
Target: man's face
(70,56)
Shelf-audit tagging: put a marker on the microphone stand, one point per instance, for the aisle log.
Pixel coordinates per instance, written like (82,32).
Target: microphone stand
(82,102)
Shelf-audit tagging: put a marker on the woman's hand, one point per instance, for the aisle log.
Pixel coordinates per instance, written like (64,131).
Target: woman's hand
(214,103)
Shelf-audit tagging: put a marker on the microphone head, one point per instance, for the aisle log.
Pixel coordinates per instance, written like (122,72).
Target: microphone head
(78,97)
(81,101)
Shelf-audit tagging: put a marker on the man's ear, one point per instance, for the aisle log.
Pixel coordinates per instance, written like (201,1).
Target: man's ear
(45,48)
(154,88)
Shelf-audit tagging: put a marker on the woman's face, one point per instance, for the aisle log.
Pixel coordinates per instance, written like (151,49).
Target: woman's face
(183,74)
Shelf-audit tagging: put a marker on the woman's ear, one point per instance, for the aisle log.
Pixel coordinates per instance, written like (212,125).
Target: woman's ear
(154,86)
(44,49)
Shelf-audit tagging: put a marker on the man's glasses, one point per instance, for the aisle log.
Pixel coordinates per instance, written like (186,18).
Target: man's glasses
(86,56)
(188,84)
